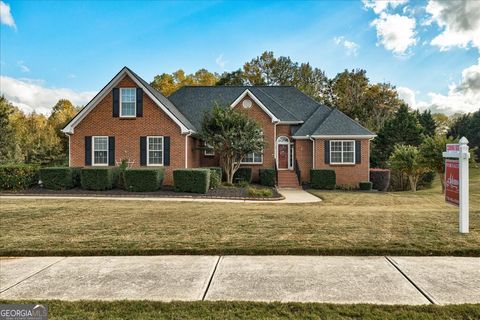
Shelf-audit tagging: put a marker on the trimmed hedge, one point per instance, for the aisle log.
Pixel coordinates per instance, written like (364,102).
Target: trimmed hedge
(191,180)
(99,178)
(365,185)
(57,178)
(323,179)
(267,177)
(215,177)
(380,179)
(144,179)
(18,176)
(243,174)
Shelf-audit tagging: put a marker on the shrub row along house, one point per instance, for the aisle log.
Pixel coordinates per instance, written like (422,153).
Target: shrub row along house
(130,120)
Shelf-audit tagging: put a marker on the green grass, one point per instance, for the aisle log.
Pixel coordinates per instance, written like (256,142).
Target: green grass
(345,223)
(249,310)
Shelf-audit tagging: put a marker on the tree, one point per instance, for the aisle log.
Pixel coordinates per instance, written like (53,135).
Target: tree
(234,78)
(403,128)
(169,83)
(62,113)
(468,126)
(7,132)
(380,103)
(427,122)
(431,150)
(408,160)
(232,135)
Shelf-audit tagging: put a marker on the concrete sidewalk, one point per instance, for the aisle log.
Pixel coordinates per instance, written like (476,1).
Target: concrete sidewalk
(291,196)
(376,280)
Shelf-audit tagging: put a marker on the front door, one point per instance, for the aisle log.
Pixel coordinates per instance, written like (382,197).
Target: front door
(283,156)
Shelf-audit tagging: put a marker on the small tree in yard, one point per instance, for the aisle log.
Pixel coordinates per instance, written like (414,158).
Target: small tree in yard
(431,150)
(232,135)
(408,160)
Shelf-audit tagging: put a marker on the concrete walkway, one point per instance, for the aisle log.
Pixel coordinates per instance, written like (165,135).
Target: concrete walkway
(291,196)
(376,280)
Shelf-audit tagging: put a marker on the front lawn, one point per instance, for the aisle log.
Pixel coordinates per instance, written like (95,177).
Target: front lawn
(249,310)
(354,223)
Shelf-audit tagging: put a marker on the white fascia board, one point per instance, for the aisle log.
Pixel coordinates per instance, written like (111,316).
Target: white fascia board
(366,136)
(290,122)
(70,127)
(257,101)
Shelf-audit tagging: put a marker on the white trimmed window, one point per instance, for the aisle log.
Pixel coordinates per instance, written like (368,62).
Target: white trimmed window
(155,151)
(342,151)
(128,102)
(253,158)
(208,150)
(100,151)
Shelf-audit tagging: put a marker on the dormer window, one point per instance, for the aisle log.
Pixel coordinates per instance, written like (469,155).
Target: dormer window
(128,102)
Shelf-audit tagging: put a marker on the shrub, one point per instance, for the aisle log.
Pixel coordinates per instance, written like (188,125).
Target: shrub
(191,180)
(259,192)
(243,174)
(57,178)
(267,177)
(215,177)
(426,180)
(98,178)
(346,187)
(365,185)
(144,179)
(18,176)
(380,179)
(243,184)
(323,179)
(76,176)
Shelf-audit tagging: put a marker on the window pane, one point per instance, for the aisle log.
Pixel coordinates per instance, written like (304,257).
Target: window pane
(348,146)
(155,150)
(257,157)
(336,146)
(336,157)
(100,150)
(128,101)
(348,157)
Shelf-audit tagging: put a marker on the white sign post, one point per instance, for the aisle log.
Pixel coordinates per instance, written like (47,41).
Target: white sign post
(460,152)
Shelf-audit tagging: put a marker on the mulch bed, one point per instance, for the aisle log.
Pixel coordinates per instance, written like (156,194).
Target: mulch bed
(237,193)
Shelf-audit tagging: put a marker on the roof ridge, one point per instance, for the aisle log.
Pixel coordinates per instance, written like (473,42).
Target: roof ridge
(353,120)
(237,86)
(278,103)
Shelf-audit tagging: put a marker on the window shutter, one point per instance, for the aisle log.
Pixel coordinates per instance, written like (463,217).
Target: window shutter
(111,151)
(143,151)
(88,151)
(116,102)
(358,151)
(166,151)
(327,152)
(139,102)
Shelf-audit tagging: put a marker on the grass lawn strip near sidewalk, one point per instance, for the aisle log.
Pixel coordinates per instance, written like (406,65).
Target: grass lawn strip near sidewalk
(144,310)
(345,223)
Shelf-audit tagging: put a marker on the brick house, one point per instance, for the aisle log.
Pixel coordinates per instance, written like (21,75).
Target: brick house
(128,119)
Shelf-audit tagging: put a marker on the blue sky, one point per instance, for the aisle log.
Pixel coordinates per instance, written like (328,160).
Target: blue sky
(73,48)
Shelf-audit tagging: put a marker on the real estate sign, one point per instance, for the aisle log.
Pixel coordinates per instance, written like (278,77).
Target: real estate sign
(456,180)
(452,182)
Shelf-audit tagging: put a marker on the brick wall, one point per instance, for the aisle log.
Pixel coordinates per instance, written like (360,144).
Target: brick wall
(346,174)
(127,132)
(303,153)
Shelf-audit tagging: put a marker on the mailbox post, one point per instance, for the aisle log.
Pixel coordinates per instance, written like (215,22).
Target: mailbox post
(456,180)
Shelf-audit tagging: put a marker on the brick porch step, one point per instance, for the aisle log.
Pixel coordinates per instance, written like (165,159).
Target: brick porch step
(287,179)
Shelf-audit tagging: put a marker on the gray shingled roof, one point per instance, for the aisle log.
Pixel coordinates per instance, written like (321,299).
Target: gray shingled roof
(284,102)
(337,123)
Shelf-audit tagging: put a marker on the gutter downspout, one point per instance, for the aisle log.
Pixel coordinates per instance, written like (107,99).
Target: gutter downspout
(313,151)
(275,140)
(186,147)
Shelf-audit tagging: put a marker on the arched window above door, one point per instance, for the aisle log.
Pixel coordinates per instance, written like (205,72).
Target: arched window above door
(283,139)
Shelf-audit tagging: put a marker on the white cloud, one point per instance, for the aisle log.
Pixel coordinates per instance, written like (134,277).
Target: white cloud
(6,16)
(407,95)
(350,46)
(395,32)
(379,6)
(461,97)
(32,95)
(459,20)
(22,66)
(221,61)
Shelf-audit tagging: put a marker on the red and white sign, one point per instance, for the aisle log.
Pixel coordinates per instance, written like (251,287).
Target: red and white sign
(453,147)
(452,181)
